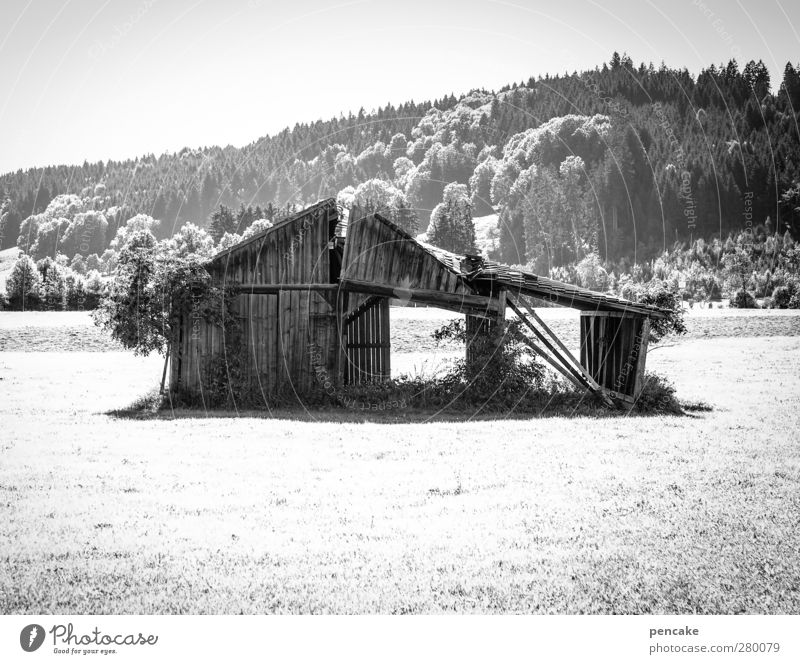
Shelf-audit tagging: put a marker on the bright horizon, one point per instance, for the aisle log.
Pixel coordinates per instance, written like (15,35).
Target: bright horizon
(110,80)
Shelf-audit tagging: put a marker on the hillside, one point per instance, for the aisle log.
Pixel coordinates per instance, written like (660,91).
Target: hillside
(615,160)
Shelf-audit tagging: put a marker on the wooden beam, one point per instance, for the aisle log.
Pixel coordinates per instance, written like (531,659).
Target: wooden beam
(583,302)
(271,289)
(641,358)
(366,304)
(476,305)
(553,363)
(577,375)
(613,314)
(587,376)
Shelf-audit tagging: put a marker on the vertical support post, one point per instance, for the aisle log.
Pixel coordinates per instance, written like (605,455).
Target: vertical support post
(491,326)
(641,359)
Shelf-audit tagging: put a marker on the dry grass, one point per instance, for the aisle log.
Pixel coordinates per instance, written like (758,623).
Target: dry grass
(212,515)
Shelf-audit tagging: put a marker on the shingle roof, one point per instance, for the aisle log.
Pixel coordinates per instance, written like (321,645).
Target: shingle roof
(480,273)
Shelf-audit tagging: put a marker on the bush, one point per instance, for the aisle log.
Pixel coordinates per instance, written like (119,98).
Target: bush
(657,397)
(761,283)
(743,299)
(95,288)
(627,288)
(93,262)
(78,264)
(152,290)
(500,369)
(788,296)
(591,274)
(76,294)
(781,297)
(656,293)
(712,288)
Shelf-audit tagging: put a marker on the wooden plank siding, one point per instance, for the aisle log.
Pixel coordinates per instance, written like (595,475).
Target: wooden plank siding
(378,252)
(280,326)
(294,251)
(614,350)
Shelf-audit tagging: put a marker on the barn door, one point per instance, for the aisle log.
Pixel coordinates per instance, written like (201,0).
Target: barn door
(367,342)
(258,324)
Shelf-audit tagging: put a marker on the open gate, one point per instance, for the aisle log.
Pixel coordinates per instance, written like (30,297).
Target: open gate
(367,342)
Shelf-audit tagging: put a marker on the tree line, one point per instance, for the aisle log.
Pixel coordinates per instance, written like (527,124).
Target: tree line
(622,160)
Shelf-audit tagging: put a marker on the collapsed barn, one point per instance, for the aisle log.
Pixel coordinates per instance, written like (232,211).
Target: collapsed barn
(313,297)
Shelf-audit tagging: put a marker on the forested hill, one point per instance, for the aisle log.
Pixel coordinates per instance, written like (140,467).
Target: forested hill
(613,159)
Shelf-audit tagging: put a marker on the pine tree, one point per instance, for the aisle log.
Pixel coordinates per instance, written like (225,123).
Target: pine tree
(222,221)
(452,227)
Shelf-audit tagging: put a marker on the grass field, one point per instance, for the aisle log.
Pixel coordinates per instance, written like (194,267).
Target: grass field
(196,514)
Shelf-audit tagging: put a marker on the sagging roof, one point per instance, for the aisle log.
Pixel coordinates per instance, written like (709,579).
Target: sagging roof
(483,274)
(480,273)
(477,269)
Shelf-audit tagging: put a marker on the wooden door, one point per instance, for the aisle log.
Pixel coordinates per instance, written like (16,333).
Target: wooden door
(367,343)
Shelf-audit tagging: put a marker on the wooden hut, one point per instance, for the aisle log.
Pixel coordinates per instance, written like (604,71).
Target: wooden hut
(313,303)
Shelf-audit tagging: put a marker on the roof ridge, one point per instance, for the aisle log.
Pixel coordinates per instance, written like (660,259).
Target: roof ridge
(278,224)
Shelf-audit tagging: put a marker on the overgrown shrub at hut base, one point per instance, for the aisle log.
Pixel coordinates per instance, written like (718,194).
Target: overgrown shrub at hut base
(449,395)
(500,367)
(657,397)
(500,379)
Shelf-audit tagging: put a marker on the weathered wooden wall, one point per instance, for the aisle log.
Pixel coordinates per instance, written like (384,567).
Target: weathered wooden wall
(197,341)
(289,336)
(614,350)
(294,251)
(377,252)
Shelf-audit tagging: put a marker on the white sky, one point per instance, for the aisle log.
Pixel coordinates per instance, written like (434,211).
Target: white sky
(100,79)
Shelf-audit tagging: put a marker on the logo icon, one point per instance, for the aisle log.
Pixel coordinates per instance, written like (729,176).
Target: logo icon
(31,637)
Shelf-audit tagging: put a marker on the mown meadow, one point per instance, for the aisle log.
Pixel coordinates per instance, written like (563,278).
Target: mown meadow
(293,511)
